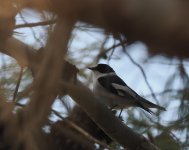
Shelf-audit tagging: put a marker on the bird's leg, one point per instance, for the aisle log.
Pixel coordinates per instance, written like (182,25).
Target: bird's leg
(120,113)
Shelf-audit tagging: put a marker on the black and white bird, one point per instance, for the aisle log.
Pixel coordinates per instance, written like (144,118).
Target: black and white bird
(114,92)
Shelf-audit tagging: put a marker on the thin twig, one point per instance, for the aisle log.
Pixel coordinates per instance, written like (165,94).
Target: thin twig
(167,91)
(101,50)
(32,30)
(30,25)
(176,139)
(65,104)
(112,52)
(25,92)
(112,47)
(168,64)
(18,84)
(143,73)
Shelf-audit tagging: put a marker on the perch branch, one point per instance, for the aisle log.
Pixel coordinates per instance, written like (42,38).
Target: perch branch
(111,125)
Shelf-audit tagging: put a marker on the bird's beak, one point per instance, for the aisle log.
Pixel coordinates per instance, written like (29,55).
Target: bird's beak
(91,68)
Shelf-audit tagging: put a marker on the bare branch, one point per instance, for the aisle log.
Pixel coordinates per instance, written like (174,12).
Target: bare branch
(111,125)
(18,84)
(29,25)
(144,75)
(18,50)
(46,80)
(80,130)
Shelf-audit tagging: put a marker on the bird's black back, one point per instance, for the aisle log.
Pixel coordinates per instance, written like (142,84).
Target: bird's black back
(107,81)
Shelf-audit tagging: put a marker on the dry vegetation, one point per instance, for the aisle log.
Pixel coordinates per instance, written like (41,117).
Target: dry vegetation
(49,74)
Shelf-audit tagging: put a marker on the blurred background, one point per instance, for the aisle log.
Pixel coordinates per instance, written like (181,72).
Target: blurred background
(162,80)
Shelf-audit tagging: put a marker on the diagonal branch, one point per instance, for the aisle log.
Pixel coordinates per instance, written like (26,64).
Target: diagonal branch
(43,23)
(50,70)
(144,75)
(82,131)
(17,50)
(46,81)
(17,85)
(111,125)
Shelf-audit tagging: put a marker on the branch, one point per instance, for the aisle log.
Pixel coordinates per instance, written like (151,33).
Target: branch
(26,25)
(18,85)
(143,73)
(81,131)
(111,125)
(47,78)
(18,50)
(45,84)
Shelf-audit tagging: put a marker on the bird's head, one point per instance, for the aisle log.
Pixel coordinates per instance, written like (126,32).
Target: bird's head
(102,69)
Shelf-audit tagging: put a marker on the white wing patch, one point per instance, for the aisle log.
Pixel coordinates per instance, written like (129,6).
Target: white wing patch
(123,88)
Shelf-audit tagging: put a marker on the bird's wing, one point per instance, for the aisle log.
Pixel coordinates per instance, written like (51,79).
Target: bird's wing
(116,85)
(125,89)
(142,100)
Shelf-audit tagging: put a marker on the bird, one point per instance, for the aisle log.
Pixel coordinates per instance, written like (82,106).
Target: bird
(115,93)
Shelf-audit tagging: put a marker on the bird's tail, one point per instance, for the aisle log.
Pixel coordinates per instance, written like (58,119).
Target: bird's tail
(148,104)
